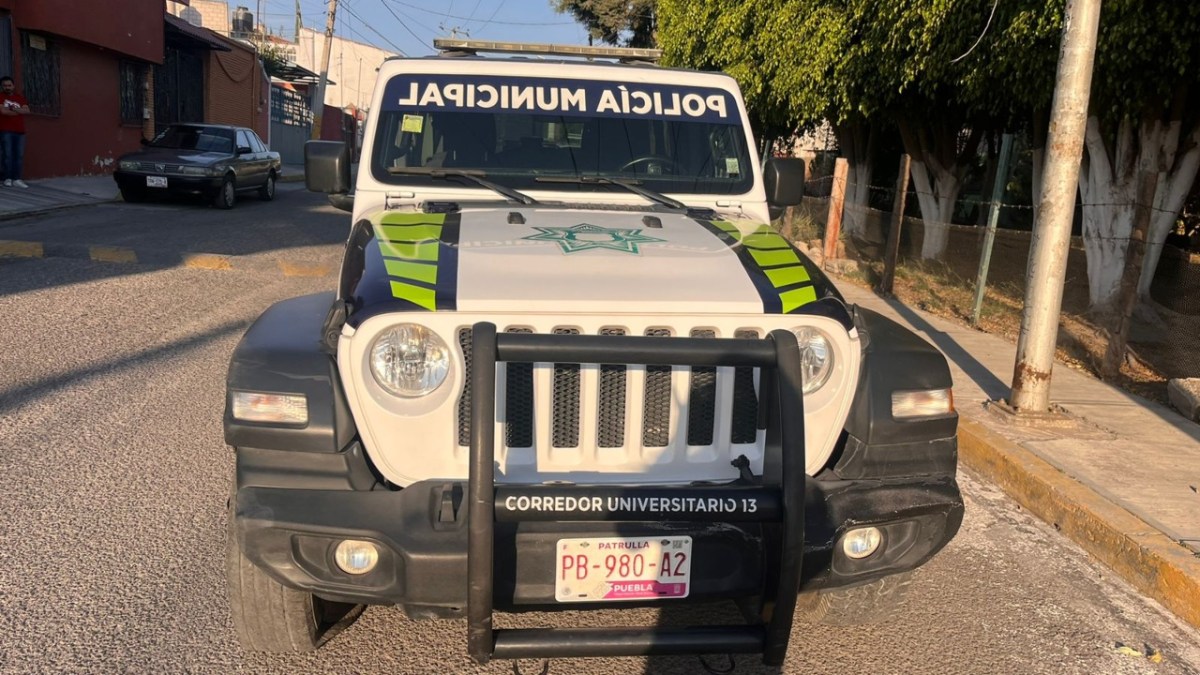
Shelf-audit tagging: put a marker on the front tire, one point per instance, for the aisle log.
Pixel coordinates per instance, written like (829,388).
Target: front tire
(270,617)
(875,602)
(226,196)
(267,191)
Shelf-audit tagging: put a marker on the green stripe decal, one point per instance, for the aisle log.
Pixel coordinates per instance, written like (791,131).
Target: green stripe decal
(409,232)
(411,270)
(798,297)
(417,295)
(413,257)
(778,272)
(787,276)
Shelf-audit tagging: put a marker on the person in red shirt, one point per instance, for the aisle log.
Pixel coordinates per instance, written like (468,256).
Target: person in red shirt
(13,109)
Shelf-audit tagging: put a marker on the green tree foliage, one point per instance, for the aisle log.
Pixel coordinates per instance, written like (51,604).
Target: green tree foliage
(627,23)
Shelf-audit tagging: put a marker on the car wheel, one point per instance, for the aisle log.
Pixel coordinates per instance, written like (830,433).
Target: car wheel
(875,602)
(267,191)
(226,197)
(133,195)
(270,617)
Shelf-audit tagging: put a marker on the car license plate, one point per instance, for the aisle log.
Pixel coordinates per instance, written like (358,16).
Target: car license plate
(622,568)
(156,181)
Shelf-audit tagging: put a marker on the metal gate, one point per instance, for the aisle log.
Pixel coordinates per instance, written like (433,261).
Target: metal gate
(178,88)
(291,124)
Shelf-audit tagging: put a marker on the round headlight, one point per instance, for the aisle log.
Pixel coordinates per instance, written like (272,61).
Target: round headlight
(409,360)
(816,358)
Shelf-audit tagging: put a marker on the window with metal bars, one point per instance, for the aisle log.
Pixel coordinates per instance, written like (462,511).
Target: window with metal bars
(40,73)
(132,82)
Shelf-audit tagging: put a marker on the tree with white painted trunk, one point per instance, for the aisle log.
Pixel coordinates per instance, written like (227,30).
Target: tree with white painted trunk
(1144,118)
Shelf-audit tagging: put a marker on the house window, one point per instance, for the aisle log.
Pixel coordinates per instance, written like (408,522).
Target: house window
(40,73)
(133,81)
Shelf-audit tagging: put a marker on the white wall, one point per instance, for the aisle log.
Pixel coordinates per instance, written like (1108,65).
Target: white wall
(352,66)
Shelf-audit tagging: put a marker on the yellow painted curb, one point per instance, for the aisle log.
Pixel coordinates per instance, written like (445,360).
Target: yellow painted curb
(1153,563)
(21,249)
(291,269)
(207,261)
(115,254)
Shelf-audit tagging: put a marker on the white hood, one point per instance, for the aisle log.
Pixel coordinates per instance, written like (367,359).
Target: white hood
(596,261)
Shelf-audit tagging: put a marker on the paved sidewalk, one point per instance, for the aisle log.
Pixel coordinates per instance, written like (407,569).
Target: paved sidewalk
(1120,477)
(50,194)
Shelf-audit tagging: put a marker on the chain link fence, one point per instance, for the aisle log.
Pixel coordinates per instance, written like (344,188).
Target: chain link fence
(938,264)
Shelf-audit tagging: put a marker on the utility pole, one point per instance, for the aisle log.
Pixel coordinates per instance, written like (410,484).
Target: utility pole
(299,23)
(1052,230)
(319,102)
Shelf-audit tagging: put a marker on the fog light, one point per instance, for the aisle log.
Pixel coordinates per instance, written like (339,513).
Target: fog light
(858,544)
(356,557)
(271,408)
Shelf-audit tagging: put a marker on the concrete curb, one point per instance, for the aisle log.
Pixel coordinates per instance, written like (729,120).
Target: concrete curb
(121,255)
(1146,558)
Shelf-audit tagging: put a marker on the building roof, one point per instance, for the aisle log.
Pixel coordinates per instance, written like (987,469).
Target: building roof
(184,33)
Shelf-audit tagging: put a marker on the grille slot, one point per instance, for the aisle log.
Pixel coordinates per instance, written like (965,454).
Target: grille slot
(610,432)
(702,399)
(656,406)
(518,401)
(464,401)
(565,411)
(745,399)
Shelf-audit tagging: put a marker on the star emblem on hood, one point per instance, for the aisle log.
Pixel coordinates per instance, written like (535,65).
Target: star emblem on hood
(586,237)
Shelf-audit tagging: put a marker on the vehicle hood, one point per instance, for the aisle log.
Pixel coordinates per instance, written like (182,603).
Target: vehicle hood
(541,259)
(173,156)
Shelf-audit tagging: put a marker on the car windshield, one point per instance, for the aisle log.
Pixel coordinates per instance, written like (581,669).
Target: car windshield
(666,138)
(203,139)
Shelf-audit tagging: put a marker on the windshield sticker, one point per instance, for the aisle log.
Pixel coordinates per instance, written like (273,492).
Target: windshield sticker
(412,124)
(559,96)
(586,237)
(731,165)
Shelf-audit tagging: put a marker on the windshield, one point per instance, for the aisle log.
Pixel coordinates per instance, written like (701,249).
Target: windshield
(202,139)
(517,130)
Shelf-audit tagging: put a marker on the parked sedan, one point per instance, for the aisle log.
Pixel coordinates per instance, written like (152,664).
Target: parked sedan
(212,160)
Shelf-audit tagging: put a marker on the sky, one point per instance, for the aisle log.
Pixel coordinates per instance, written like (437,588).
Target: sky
(409,26)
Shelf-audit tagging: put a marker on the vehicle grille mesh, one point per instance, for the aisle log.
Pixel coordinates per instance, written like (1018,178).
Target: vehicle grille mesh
(656,406)
(702,399)
(565,415)
(464,401)
(611,429)
(518,402)
(745,399)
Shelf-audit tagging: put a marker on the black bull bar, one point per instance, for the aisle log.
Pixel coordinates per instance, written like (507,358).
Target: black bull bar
(780,497)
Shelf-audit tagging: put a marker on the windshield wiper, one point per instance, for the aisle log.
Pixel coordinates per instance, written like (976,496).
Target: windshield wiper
(632,186)
(477,177)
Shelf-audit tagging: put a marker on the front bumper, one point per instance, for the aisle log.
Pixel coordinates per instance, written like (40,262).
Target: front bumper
(176,185)
(422,533)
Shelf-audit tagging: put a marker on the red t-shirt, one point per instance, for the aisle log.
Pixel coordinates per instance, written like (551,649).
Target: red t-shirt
(12,122)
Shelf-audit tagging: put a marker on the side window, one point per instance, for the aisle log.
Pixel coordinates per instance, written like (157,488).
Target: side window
(243,141)
(256,143)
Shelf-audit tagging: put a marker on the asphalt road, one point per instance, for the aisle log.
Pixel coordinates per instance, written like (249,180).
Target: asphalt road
(115,477)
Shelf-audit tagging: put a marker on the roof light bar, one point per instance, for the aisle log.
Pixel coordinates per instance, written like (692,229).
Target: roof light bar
(474,46)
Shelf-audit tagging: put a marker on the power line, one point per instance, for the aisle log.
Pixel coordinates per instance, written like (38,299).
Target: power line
(371,28)
(401,22)
(504,23)
(489,19)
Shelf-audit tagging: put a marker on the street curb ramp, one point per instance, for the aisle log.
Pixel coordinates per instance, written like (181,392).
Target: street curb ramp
(1146,558)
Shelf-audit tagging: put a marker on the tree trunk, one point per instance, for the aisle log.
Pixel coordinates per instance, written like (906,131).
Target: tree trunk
(856,140)
(1174,184)
(939,166)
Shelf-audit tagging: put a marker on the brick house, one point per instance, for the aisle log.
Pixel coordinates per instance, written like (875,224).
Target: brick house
(85,75)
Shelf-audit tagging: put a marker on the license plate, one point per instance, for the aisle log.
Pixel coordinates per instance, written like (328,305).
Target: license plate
(622,568)
(156,181)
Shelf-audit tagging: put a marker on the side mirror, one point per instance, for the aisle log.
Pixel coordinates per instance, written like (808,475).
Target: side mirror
(327,167)
(783,179)
(244,150)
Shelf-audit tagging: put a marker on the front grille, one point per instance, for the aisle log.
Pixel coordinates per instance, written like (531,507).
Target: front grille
(518,402)
(159,167)
(563,419)
(656,406)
